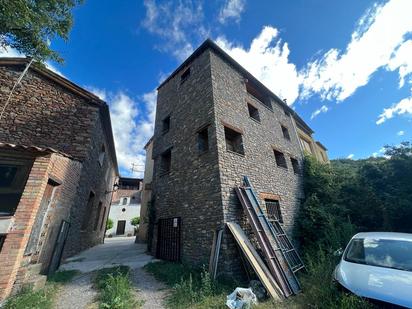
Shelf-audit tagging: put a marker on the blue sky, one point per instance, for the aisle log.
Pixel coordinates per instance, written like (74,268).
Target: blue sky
(344,66)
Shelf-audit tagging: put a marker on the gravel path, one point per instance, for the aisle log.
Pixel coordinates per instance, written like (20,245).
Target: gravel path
(78,293)
(149,289)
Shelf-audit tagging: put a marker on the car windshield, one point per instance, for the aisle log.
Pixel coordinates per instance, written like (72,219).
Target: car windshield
(387,253)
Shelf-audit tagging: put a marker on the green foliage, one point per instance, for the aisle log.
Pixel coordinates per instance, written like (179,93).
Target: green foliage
(62,276)
(109,224)
(27,298)
(29,25)
(191,287)
(115,288)
(135,221)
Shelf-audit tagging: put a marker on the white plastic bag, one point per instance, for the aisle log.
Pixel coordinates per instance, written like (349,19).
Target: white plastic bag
(241,299)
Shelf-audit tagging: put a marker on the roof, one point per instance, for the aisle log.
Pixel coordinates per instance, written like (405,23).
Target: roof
(67,84)
(148,143)
(384,235)
(34,149)
(210,44)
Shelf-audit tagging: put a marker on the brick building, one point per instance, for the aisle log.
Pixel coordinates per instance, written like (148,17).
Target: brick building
(57,170)
(215,123)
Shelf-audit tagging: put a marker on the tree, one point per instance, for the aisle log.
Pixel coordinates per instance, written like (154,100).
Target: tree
(135,221)
(28,25)
(109,224)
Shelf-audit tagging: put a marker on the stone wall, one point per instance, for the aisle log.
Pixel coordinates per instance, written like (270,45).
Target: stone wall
(44,114)
(191,190)
(258,162)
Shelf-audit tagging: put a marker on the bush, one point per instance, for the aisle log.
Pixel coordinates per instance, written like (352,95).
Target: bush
(109,224)
(29,299)
(135,221)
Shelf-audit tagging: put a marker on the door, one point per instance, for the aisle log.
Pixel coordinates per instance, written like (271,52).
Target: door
(59,246)
(168,239)
(121,225)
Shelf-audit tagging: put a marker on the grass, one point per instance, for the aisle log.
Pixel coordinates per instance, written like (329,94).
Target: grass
(193,288)
(115,289)
(43,298)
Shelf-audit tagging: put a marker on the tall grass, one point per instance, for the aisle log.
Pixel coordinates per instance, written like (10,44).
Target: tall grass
(115,289)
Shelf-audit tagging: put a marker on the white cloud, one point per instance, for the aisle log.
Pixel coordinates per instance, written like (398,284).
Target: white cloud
(379,33)
(402,60)
(323,109)
(401,133)
(267,59)
(132,123)
(178,24)
(232,9)
(350,156)
(402,107)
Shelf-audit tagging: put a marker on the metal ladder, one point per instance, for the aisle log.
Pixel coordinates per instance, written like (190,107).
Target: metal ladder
(275,244)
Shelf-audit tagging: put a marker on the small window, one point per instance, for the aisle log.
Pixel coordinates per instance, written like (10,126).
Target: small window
(123,209)
(103,218)
(285,132)
(295,165)
(273,210)
(185,76)
(253,112)
(101,155)
(166,161)
(87,211)
(124,201)
(203,140)
(280,159)
(98,214)
(234,141)
(166,125)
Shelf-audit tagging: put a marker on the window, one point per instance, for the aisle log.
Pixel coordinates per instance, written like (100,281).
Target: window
(103,218)
(166,125)
(306,146)
(166,161)
(98,213)
(257,94)
(87,211)
(253,112)
(203,140)
(124,201)
(285,132)
(234,141)
(13,177)
(185,75)
(273,210)
(280,159)
(2,239)
(295,165)
(101,155)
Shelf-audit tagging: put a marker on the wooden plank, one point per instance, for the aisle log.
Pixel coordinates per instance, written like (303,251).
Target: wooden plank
(255,261)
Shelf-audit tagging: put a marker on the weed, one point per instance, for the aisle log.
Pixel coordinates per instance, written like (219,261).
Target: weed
(27,298)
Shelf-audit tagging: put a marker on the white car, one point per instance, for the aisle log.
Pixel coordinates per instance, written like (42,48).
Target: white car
(378,266)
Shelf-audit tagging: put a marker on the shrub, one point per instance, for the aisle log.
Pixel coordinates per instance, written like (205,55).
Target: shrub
(109,224)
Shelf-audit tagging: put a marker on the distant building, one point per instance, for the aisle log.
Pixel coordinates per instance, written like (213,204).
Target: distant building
(215,123)
(146,193)
(125,206)
(57,170)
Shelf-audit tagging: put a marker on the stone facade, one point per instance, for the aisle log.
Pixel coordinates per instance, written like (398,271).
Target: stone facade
(67,133)
(199,188)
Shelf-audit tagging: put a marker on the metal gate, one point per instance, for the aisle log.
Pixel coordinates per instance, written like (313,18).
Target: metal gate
(168,239)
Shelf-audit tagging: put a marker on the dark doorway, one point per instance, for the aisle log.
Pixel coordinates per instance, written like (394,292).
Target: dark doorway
(121,225)
(168,239)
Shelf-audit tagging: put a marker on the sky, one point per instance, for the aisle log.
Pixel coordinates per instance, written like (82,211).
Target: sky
(344,66)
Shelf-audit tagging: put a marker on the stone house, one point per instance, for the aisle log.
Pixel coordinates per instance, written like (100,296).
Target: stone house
(215,123)
(125,206)
(57,170)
